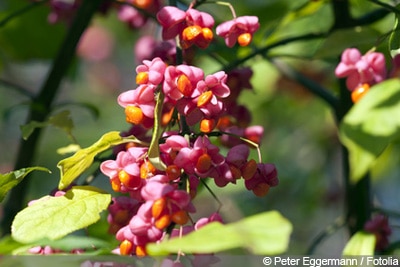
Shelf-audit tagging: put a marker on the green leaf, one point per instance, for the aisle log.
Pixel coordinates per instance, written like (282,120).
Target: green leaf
(307,9)
(72,148)
(75,165)
(370,126)
(28,128)
(394,39)
(61,120)
(264,233)
(11,179)
(360,244)
(8,245)
(54,217)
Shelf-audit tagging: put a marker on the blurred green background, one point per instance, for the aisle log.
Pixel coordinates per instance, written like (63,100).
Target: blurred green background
(300,131)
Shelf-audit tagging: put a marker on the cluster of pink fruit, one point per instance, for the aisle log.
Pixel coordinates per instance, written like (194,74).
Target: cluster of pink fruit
(157,178)
(190,109)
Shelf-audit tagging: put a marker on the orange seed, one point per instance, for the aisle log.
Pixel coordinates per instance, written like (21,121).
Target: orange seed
(261,189)
(204,98)
(141,251)
(359,92)
(184,85)
(190,33)
(244,39)
(207,125)
(126,247)
(203,163)
(249,169)
(163,221)
(147,170)
(158,207)
(134,114)
(173,172)
(180,217)
(142,78)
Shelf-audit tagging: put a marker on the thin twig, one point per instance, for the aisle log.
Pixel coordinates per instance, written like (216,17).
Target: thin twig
(265,49)
(328,231)
(17,88)
(211,192)
(309,84)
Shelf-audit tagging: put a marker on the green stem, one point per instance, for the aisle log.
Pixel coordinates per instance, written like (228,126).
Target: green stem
(357,195)
(386,6)
(372,17)
(328,231)
(222,3)
(41,106)
(358,203)
(211,192)
(342,16)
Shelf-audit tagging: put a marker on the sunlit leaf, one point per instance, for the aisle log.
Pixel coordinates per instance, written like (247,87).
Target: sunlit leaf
(72,148)
(75,165)
(264,233)
(8,244)
(360,244)
(11,179)
(307,9)
(394,40)
(371,125)
(55,217)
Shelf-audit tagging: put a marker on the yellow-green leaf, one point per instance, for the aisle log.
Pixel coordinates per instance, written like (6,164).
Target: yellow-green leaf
(360,244)
(55,217)
(370,126)
(265,233)
(75,165)
(72,148)
(394,40)
(11,179)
